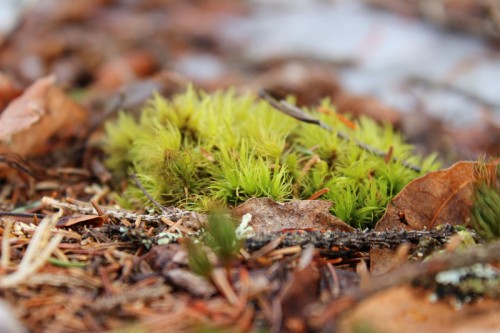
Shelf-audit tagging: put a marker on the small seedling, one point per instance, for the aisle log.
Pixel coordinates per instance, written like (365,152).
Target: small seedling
(221,237)
(198,260)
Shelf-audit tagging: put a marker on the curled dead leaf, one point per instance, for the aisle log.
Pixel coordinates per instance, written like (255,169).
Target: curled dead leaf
(440,197)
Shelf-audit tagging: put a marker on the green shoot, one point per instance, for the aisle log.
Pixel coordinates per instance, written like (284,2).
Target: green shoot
(221,237)
(198,260)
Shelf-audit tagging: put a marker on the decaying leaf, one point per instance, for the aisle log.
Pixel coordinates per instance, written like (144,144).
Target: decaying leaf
(41,112)
(270,216)
(404,309)
(440,197)
(82,220)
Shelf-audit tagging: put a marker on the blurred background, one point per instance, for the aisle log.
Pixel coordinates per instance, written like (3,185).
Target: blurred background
(429,67)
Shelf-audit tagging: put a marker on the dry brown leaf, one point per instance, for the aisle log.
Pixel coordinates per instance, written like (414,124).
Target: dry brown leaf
(440,197)
(81,220)
(270,216)
(41,112)
(405,309)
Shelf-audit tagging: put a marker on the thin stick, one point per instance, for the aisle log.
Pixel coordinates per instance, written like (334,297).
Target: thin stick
(5,260)
(143,190)
(172,213)
(34,257)
(297,113)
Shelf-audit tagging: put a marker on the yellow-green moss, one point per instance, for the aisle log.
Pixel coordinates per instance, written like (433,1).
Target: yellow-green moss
(197,149)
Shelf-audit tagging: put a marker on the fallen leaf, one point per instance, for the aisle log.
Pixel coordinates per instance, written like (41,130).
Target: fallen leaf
(406,309)
(8,91)
(41,112)
(81,220)
(269,216)
(440,197)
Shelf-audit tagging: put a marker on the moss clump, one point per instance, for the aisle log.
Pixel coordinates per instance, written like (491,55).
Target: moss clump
(199,150)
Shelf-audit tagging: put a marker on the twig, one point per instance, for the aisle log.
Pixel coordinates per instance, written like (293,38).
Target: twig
(143,190)
(24,217)
(356,240)
(17,162)
(5,260)
(407,273)
(108,303)
(171,213)
(295,112)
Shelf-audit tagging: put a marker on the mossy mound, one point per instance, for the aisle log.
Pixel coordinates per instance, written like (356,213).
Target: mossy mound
(197,150)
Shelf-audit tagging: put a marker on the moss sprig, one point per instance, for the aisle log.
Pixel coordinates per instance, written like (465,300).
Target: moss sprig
(486,207)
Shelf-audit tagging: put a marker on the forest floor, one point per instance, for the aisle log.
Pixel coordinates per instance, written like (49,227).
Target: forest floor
(72,260)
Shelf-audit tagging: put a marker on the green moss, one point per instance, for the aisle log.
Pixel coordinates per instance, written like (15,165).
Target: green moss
(486,211)
(198,150)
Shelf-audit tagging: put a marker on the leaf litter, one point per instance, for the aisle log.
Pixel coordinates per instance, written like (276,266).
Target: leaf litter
(113,269)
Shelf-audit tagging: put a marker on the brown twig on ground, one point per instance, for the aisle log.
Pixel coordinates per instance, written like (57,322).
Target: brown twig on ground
(409,272)
(170,213)
(297,113)
(143,190)
(39,250)
(356,240)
